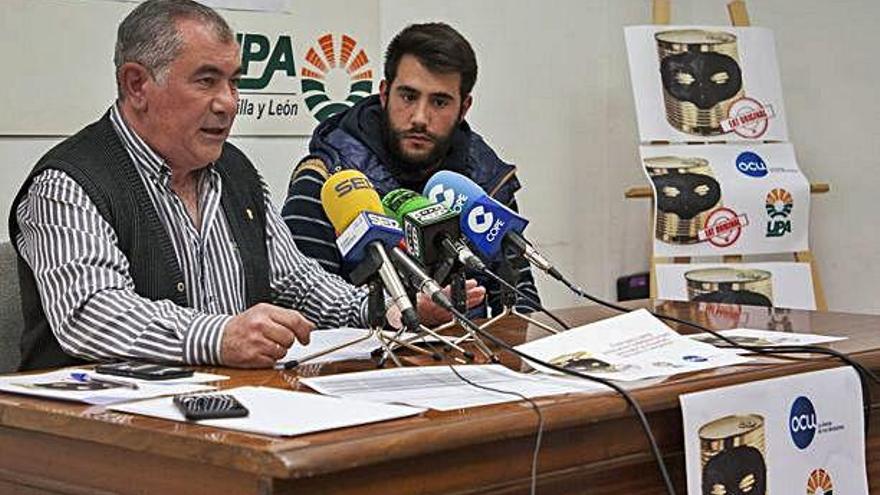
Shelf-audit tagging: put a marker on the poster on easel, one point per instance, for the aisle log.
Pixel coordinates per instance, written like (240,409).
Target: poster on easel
(798,434)
(776,284)
(706,84)
(727,199)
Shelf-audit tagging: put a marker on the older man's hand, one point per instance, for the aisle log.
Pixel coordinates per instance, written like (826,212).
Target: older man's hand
(261,336)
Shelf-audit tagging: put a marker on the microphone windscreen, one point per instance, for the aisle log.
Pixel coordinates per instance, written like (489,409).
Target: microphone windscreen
(394,199)
(453,190)
(345,195)
(399,202)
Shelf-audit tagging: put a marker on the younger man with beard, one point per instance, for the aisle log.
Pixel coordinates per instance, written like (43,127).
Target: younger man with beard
(399,138)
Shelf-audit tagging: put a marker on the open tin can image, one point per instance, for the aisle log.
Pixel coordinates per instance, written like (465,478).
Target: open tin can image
(701,76)
(730,286)
(687,192)
(732,455)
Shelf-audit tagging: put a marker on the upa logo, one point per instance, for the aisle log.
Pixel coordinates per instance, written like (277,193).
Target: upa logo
(258,48)
(802,423)
(779,204)
(751,164)
(336,75)
(819,483)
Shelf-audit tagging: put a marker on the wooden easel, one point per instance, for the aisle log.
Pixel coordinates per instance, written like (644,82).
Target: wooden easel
(739,17)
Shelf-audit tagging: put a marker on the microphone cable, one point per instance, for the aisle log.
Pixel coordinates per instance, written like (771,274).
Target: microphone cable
(770,351)
(763,350)
(643,420)
(527,297)
(534,405)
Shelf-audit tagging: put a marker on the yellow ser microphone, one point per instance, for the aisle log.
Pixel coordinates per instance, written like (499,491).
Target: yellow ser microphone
(365,234)
(347,194)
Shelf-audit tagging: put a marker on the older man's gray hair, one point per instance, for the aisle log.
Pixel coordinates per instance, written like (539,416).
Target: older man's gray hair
(149,35)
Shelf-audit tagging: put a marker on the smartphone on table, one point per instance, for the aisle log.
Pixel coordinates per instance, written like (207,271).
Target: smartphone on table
(209,406)
(144,371)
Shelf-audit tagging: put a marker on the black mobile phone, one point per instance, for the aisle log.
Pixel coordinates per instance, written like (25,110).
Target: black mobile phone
(209,406)
(145,371)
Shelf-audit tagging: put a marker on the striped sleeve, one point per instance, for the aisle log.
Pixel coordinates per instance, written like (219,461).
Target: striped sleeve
(299,282)
(87,292)
(305,217)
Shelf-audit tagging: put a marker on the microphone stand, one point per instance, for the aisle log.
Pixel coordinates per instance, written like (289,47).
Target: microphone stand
(424,331)
(508,299)
(367,272)
(450,270)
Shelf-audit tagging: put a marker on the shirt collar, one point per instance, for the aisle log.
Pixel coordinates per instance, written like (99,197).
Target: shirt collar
(144,157)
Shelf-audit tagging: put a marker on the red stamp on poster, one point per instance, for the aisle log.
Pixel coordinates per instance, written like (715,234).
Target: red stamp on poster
(723,227)
(748,118)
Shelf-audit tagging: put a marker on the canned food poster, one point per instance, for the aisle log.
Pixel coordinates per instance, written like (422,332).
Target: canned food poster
(694,83)
(777,284)
(795,434)
(632,346)
(727,199)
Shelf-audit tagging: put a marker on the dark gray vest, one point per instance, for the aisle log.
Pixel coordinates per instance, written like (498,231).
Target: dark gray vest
(96,159)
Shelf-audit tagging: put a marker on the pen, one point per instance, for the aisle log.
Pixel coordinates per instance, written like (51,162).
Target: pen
(85,377)
(287,365)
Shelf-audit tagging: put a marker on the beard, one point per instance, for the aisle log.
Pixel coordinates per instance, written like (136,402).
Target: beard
(410,162)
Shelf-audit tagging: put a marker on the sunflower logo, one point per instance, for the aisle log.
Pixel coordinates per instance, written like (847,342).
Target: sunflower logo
(336,75)
(779,203)
(819,483)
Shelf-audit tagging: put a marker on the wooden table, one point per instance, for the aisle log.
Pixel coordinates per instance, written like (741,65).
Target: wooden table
(592,443)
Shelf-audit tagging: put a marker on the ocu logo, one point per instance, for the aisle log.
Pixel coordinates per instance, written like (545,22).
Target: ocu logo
(751,164)
(802,422)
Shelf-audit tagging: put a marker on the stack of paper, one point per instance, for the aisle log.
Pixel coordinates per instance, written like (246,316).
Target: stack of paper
(76,384)
(629,347)
(438,387)
(274,411)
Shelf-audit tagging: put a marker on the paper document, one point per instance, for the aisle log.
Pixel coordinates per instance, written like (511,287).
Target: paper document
(632,346)
(748,336)
(274,411)
(84,385)
(326,339)
(437,387)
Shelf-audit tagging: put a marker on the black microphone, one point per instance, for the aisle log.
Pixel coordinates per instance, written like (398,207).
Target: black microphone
(421,280)
(432,231)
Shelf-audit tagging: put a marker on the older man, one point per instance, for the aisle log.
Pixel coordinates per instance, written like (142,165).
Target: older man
(148,236)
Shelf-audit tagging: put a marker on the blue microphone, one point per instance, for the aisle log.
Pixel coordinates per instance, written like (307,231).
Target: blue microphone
(485,222)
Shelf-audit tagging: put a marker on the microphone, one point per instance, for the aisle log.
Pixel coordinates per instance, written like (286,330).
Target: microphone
(364,234)
(424,283)
(432,231)
(485,222)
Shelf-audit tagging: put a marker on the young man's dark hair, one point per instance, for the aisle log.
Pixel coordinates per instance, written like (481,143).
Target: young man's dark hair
(439,48)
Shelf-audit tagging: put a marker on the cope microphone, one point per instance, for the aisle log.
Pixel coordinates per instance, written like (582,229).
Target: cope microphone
(485,222)
(431,230)
(364,233)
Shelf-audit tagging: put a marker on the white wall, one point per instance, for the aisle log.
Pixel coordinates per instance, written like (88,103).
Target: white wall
(553,96)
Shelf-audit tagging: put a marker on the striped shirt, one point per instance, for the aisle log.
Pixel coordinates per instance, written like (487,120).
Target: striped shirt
(88,294)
